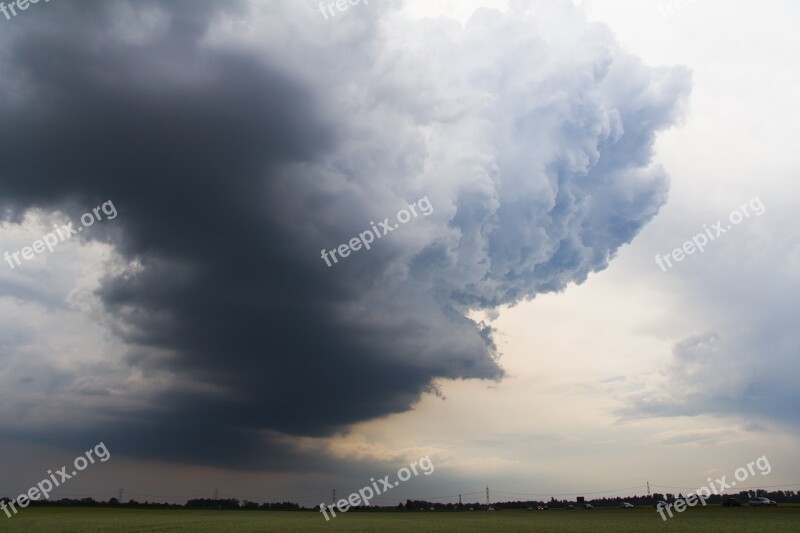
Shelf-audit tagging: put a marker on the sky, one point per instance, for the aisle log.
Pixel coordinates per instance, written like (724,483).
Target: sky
(527,323)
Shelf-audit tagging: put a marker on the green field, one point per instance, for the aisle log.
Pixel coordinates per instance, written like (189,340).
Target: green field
(712,518)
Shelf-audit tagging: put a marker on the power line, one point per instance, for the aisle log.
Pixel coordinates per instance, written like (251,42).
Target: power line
(569,493)
(741,488)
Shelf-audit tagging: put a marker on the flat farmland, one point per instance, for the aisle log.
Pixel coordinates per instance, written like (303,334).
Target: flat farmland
(709,519)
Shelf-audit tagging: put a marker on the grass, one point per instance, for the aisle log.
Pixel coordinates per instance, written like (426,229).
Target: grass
(708,519)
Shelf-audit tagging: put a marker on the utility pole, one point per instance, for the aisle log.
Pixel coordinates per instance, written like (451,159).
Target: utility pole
(648,488)
(487,495)
(120,496)
(459,500)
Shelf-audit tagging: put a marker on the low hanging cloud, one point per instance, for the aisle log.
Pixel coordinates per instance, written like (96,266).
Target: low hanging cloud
(749,376)
(239,140)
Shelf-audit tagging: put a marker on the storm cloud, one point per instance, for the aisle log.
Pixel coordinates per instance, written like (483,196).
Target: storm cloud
(239,140)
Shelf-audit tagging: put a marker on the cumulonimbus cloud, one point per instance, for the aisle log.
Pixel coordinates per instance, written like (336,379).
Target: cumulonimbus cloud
(239,141)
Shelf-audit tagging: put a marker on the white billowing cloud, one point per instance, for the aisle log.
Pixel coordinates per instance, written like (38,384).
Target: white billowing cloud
(531,131)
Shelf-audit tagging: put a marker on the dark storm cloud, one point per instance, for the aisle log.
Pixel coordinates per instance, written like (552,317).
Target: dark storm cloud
(232,166)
